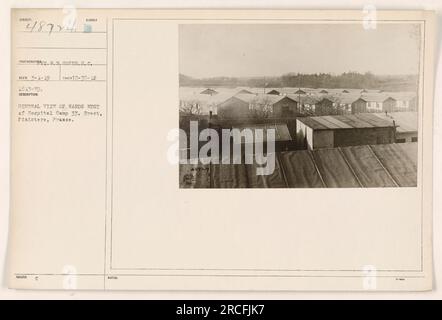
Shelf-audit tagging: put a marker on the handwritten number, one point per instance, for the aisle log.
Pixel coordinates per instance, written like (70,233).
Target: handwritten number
(31,27)
(51,27)
(41,26)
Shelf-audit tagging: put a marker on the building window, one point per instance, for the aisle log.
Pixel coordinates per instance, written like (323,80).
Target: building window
(400,140)
(413,139)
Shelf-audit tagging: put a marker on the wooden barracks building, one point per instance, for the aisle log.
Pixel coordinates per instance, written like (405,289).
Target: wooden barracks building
(343,130)
(241,105)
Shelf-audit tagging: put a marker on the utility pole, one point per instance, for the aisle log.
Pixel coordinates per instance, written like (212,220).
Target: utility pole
(299,94)
(299,99)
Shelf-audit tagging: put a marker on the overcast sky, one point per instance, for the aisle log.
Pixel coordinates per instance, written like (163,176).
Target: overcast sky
(272,50)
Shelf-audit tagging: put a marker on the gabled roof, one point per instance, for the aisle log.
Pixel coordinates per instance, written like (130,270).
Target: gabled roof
(370,91)
(209,91)
(227,102)
(273,92)
(244,91)
(249,98)
(348,98)
(305,99)
(334,90)
(299,91)
(375,97)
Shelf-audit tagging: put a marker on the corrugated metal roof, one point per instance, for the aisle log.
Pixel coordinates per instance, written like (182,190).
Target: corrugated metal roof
(406,121)
(300,170)
(366,167)
(354,121)
(309,121)
(373,120)
(327,123)
(398,163)
(387,165)
(361,120)
(334,169)
(337,122)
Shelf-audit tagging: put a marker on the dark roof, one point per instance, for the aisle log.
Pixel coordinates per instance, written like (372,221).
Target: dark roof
(244,91)
(209,91)
(383,165)
(361,120)
(299,91)
(273,92)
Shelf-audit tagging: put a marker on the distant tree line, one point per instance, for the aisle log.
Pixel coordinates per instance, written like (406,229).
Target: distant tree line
(354,80)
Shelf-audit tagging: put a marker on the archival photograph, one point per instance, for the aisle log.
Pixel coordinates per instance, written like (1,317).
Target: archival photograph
(299,105)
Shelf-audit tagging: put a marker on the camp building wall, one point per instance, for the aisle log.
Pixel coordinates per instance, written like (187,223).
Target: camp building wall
(362,136)
(323,139)
(359,106)
(327,132)
(308,138)
(389,105)
(285,107)
(402,137)
(233,108)
(304,136)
